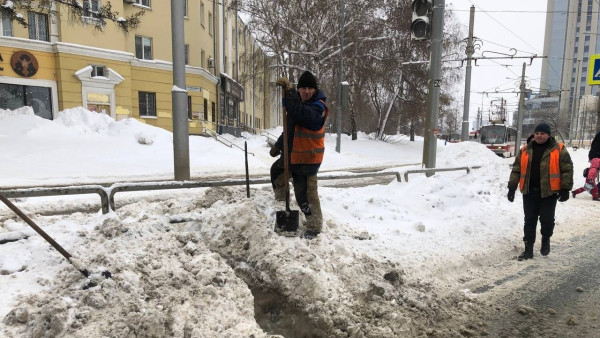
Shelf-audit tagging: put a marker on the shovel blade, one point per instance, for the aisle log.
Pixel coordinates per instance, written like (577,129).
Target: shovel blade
(286,222)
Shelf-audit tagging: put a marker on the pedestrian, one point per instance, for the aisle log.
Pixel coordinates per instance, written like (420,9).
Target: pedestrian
(543,171)
(590,175)
(306,114)
(595,148)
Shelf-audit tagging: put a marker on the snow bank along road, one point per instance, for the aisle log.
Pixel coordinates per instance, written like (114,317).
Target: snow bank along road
(207,264)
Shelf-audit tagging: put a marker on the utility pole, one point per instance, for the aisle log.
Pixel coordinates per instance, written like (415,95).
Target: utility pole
(574,106)
(338,144)
(434,83)
(181,139)
(469,51)
(479,120)
(521,110)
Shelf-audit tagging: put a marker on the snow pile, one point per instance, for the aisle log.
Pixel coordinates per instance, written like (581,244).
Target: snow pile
(84,120)
(25,110)
(391,261)
(186,266)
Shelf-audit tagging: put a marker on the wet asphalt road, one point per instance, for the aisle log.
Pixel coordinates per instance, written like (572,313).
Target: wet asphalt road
(554,296)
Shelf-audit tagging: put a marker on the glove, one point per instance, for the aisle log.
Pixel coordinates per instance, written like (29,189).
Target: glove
(510,195)
(284,82)
(275,151)
(563,195)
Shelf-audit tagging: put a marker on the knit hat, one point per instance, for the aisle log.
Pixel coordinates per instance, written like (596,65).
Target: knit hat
(542,127)
(307,80)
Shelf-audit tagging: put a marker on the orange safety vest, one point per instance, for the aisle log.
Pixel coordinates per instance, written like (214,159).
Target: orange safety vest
(309,145)
(554,168)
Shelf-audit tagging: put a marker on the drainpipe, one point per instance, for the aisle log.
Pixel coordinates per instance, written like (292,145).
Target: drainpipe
(216,67)
(54,35)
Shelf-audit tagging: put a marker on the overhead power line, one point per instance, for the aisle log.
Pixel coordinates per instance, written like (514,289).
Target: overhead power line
(501,24)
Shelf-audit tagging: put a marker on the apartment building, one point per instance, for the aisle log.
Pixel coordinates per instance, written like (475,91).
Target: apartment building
(57,63)
(572,37)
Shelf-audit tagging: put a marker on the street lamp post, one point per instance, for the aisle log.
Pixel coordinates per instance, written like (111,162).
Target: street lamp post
(434,83)
(181,142)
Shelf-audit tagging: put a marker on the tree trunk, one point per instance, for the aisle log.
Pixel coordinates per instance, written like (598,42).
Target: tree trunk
(353,125)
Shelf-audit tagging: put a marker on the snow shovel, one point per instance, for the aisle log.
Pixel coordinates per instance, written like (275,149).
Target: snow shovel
(74,261)
(286,221)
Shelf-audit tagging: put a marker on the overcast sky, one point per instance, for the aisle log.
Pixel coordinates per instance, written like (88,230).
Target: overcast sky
(502,25)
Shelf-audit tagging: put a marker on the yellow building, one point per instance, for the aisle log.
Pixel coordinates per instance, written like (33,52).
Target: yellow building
(57,63)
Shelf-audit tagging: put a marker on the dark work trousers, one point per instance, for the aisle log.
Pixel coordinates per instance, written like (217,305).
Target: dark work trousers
(299,179)
(535,206)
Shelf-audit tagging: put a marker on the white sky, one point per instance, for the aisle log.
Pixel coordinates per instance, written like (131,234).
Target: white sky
(429,227)
(502,25)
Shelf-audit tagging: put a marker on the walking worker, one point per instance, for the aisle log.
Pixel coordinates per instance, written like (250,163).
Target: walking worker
(306,114)
(543,171)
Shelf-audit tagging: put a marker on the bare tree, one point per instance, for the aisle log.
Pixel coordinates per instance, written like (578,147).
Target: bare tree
(75,10)
(386,95)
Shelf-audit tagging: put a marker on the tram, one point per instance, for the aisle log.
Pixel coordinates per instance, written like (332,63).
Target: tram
(499,138)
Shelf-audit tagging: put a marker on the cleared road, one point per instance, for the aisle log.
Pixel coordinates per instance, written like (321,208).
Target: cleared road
(554,296)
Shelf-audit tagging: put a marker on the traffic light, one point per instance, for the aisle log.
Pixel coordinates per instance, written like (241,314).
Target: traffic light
(420,27)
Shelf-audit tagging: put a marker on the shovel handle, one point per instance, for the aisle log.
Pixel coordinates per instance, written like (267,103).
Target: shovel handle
(286,169)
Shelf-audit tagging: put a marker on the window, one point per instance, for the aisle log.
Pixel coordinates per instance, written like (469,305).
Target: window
(189,107)
(202,14)
(186,53)
(210,23)
(205,110)
(145,3)
(38,26)
(143,47)
(91,8)
(202,58)
(98,71)
(6,24)
(13,96)
(185,8)
(147,104)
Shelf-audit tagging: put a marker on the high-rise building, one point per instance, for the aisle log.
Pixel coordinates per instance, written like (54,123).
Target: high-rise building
(572,28)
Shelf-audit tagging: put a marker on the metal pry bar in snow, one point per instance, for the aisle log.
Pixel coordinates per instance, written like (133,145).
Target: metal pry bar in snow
(74,261)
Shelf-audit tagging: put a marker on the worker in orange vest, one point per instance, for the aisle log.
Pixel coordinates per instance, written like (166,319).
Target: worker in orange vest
(306,113)
(543,172)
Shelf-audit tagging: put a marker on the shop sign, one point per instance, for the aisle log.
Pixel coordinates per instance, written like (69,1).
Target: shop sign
(24,63)
(233,88)
(193,89)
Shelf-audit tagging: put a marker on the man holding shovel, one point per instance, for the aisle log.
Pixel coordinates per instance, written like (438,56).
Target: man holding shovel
(306,114)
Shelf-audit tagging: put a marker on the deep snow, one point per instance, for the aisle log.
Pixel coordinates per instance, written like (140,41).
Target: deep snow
(206,263)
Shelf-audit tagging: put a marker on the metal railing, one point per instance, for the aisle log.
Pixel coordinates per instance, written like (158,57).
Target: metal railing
(271,139)
(434,170)
(223,140)
(60,191)
(218,137)
(107,194)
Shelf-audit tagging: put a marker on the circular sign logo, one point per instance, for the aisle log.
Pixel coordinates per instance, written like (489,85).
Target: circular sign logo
(24,63)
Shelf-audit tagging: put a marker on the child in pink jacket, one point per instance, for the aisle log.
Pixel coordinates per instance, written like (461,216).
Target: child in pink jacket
(590,180)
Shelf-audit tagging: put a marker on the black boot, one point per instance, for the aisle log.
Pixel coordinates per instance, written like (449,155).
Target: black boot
(528,253)
(545,250)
